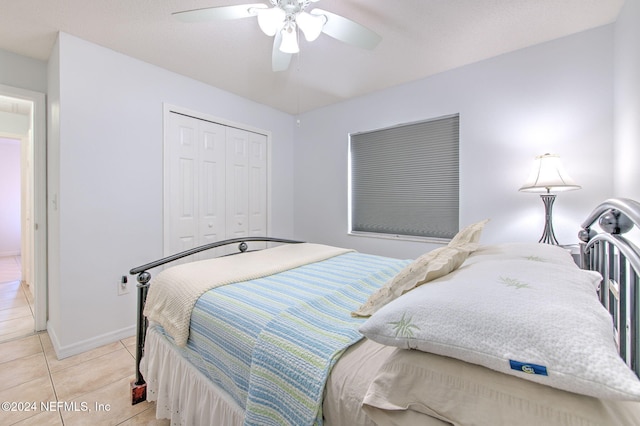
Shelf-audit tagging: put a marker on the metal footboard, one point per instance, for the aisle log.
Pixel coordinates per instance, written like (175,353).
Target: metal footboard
(617,259)
(139,386)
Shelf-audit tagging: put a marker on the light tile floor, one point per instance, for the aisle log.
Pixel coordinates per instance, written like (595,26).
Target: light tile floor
(16,315)
(92,388)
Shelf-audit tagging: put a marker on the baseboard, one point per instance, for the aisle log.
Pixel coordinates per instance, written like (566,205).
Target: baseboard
(9,253)
(88,344)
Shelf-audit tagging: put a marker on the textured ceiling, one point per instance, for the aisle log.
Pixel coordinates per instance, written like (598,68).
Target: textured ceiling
(420,38)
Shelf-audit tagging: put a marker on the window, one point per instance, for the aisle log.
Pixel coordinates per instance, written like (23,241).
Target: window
(404,180)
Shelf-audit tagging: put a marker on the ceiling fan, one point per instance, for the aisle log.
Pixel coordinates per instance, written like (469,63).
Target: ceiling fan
(282,19)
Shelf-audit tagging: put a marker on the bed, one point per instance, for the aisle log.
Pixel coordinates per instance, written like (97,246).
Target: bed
(304,333)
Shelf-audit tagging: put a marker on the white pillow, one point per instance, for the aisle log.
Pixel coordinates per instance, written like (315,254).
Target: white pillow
(468,394)
(428,267)
(531,317)
(545,253)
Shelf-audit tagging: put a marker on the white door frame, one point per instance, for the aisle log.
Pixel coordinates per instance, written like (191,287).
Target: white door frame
(39,210)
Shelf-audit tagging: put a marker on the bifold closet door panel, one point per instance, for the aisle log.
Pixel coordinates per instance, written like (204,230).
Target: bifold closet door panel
(195,184)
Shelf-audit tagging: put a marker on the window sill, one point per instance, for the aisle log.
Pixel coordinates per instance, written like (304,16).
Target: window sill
(411,238)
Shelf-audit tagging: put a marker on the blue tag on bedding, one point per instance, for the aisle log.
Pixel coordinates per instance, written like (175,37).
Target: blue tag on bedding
(528,368)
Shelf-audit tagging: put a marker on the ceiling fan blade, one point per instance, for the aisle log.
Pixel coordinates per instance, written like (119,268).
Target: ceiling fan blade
(219,13)
(348,31)
(279,60)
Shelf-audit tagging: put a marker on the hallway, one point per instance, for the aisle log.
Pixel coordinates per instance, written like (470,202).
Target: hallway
(16,302)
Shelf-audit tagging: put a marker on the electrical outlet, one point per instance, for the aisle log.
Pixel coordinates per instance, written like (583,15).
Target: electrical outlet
(123,286)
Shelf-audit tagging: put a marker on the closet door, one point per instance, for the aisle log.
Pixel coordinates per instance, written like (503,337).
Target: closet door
(246,184)
(195,184)
(237,183)
(212,185)
(215,184)
(180,193)
(257,185)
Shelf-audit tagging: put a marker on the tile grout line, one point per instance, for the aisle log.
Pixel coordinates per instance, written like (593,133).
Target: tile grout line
(26,296)
(53,386)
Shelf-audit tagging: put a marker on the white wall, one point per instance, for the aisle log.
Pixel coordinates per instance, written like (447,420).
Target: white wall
(554,97)
(9,197)
(627,101)
(20,71)
(107,179)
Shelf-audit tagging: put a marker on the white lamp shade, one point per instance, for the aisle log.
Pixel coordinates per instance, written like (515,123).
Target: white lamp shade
(271,20)
(548,175)
(311,25)
(289,39)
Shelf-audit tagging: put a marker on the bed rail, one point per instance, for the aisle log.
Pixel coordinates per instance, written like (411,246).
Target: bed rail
(617,259)
(139,386)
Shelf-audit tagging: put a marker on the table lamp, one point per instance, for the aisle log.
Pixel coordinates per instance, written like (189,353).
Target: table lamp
(547,176)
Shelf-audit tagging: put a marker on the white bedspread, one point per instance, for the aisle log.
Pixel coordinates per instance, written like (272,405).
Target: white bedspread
(173,292)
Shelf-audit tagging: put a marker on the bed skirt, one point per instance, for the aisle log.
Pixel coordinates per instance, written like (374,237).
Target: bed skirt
(196,400)
(183,394)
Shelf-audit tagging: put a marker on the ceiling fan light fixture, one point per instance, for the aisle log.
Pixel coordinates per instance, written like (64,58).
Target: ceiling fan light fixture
(271,20)
(281,19)
(289,39)
(311,25)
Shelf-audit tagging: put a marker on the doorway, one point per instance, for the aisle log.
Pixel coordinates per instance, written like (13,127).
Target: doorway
(22,120)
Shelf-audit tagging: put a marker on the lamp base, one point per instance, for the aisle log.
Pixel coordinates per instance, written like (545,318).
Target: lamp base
(548,236)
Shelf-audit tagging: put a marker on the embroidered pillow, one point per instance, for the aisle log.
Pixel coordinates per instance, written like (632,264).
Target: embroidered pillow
(470,234)
(428,267)
(537,319)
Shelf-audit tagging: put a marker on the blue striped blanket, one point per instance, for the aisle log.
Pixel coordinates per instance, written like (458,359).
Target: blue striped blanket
(271,342)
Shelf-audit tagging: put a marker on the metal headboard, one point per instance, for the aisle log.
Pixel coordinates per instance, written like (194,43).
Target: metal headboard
(617,259)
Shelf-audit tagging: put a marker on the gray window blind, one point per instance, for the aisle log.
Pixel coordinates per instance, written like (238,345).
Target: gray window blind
(405,179)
